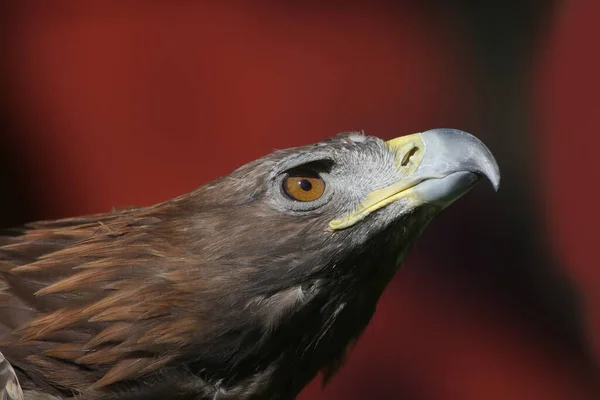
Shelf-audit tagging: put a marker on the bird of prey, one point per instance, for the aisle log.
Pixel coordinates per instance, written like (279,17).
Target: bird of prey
(245,288)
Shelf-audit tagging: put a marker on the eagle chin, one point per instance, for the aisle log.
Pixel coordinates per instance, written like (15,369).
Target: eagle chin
(244,288)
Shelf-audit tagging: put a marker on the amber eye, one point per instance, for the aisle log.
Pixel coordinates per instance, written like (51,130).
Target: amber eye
(304,188)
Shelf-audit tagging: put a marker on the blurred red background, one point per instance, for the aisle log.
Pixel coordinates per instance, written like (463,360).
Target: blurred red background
(125,103)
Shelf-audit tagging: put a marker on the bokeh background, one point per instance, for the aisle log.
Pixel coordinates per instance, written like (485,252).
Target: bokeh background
(118,103)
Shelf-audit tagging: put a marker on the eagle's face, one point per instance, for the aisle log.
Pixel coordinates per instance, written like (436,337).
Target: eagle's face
(242,289)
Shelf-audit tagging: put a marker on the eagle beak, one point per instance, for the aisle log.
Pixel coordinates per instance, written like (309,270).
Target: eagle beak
(437,166)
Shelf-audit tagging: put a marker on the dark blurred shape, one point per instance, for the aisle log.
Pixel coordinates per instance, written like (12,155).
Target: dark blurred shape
(16,203)
(522,271)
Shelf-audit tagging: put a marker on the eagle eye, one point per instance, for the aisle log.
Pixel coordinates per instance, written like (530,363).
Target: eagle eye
(304,185)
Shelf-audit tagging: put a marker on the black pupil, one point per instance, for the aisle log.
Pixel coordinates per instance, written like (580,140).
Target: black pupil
(305,185)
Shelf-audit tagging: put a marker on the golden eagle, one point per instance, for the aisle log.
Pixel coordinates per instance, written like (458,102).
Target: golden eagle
(244,288)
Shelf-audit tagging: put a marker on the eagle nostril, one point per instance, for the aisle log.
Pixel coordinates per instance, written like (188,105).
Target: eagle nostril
(408,155)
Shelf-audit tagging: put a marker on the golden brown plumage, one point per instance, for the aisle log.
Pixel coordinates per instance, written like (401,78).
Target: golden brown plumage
(96,292)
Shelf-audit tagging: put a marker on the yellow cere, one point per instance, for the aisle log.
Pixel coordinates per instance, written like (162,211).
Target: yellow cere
(408,153)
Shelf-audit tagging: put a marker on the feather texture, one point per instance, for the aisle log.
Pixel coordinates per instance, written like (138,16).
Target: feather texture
(88,301)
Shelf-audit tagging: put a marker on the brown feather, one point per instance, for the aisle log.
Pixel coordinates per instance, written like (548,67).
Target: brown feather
(177,332)
(66,351)
(100,356)
(76,281)
(123,370)
(116,332)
